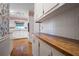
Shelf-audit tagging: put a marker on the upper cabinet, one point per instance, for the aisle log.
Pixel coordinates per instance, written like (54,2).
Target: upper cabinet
(46,10)
(42,9)
(38,11)
(48,6)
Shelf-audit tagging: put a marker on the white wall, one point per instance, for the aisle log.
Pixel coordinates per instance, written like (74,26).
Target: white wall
(18,33)
(66,24)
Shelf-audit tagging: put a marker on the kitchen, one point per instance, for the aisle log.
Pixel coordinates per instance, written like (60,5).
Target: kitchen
(52,29)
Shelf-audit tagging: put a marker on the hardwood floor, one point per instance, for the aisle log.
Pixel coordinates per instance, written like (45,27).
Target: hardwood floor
(21,47)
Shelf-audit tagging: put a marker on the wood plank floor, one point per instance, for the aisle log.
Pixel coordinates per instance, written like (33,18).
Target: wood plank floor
(21,47)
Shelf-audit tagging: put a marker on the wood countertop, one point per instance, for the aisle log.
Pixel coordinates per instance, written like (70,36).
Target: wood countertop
(65,45)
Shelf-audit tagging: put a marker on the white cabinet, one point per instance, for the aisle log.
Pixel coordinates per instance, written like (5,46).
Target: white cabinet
(56,52)
(45,49)
(5,47)
(42,10)
(48,6)
(40,48)
(38,11)
(35,47)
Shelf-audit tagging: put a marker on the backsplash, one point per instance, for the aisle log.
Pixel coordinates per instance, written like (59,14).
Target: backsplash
(65,24)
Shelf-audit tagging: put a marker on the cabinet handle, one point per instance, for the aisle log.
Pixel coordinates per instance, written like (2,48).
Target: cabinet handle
(33,41)
(39,44)
(51,53)
(38,48)
(43,11)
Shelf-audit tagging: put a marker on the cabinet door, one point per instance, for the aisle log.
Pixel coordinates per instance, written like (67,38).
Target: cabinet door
(5,47)
(56,52)
(38,11)
(45,49)
(35,48)
(48,6)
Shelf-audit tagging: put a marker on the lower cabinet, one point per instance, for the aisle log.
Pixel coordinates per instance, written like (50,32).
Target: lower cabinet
(45,49)
(40,48)
(5,48)
(35,47)
(56,52)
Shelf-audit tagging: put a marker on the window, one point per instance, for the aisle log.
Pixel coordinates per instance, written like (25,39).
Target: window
(19,26)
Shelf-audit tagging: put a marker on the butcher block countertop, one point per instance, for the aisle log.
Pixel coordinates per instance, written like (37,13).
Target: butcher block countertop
(65,45)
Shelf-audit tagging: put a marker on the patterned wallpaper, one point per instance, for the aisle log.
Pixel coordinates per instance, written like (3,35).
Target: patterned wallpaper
(4,21)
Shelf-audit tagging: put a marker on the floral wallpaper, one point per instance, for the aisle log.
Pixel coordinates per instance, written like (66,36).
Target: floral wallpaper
(4,19)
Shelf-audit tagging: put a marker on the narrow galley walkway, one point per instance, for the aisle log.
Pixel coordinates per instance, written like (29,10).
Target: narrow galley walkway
(21,47)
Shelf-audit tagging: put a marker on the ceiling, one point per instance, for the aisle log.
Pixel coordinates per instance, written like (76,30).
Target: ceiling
(21,6)
(20,9)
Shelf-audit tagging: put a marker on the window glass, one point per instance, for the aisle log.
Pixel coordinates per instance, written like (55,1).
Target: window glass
(19,25)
